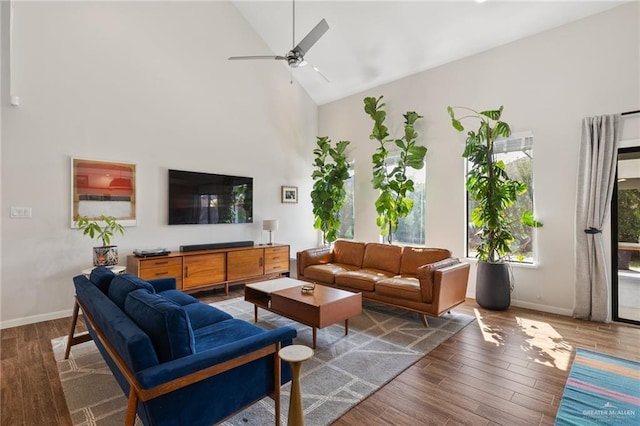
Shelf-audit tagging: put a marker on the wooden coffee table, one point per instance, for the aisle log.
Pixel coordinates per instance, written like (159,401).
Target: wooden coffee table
(324,307)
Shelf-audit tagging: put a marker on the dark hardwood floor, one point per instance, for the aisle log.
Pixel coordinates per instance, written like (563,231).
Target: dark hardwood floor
(505,368)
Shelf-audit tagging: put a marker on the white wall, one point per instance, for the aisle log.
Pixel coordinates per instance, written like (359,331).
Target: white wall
(149,83)
(547,84)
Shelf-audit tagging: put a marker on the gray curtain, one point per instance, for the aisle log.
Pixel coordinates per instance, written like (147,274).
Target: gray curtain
(596,175)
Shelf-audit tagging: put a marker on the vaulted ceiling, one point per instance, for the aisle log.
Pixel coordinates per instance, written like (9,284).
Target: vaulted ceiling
(370,43)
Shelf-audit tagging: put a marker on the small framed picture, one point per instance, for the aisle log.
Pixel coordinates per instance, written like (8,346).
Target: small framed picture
(289,194)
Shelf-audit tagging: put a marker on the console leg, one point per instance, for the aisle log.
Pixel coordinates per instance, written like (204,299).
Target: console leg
(424,320)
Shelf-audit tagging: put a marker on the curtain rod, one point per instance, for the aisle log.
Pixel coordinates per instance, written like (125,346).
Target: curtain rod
(631,112)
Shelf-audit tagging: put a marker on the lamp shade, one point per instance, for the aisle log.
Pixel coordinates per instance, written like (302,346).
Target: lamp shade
(270,225)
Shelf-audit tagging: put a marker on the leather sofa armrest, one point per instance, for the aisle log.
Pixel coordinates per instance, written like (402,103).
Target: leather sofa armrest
(314,256)
(425,274)
(450,286)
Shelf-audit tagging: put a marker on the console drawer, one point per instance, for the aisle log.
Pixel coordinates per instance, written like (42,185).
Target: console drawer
(150,269)
(276,259)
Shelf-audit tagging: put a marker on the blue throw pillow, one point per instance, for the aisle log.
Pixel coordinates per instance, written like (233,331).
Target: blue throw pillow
(164,321)
(102,277)
(124,284)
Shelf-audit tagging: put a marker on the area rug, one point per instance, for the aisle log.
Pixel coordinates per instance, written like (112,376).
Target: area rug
(600,390)
(382,342)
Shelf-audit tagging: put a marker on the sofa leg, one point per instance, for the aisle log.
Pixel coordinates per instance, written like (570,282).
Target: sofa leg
(131,408)
(423,317)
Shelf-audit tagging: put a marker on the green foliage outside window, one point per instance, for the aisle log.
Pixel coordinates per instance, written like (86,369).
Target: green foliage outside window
(393,202)
(331,169)
(628,215)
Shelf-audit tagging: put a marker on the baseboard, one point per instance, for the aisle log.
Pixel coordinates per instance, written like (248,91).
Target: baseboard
(35,318)
(542,308)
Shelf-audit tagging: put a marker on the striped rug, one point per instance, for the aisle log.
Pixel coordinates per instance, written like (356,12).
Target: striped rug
(601,390)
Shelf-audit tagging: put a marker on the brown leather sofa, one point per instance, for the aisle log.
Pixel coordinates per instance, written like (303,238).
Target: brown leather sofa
(424,280)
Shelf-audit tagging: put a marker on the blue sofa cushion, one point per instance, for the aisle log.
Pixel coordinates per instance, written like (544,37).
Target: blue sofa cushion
(131,343)
(102,277)
(165,322)
(124,284)
(179,297)
(224,332)
(202,315)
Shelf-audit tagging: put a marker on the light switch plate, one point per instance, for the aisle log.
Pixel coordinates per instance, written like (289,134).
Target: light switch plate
(21,212)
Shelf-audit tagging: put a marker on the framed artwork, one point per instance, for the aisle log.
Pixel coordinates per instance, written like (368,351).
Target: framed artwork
(103,188)
(289,194)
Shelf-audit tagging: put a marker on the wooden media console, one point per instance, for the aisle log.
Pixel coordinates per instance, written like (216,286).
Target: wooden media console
(203,269)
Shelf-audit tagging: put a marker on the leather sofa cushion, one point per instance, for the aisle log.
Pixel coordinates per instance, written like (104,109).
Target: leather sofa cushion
(165,322)
(102,277)
(326,273)
(425,275)
(382,257)
(414,257)
(124,284)
(362,279)
(401,288)
(348,252)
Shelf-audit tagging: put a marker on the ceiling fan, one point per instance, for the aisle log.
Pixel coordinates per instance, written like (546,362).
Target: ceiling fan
(295,57)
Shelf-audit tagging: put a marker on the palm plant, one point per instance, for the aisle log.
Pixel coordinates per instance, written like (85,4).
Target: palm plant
(96,230)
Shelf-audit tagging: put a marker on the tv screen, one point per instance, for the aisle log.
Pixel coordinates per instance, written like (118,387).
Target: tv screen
(201,198)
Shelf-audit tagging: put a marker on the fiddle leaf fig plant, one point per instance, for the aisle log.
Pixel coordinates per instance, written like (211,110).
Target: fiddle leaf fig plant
(394,185)
(489,185)
(331,169)
(102,228)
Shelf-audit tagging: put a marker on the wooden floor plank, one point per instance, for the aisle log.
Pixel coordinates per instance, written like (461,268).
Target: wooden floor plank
(11,409)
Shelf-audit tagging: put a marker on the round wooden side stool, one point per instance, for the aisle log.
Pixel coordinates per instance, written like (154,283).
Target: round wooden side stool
(295,355)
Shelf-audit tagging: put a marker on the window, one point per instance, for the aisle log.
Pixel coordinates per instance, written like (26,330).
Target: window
(517,154)
(347,217)
(411,229)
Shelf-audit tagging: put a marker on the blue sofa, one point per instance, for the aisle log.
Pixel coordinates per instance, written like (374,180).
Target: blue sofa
(179,361)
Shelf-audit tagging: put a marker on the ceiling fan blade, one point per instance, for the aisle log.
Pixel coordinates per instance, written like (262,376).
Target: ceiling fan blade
(311,38)
(277,58)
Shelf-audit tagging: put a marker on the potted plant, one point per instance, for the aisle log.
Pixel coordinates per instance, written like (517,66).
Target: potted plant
(331,169)
(493,192)
(102,228)
(394,185)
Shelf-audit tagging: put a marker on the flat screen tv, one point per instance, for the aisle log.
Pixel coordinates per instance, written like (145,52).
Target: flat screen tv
(203,198)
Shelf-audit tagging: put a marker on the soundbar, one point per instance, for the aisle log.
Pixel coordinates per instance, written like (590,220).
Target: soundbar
(194,247)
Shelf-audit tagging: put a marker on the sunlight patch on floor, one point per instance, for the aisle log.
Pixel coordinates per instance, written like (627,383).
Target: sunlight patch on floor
(489,333)
(545,345)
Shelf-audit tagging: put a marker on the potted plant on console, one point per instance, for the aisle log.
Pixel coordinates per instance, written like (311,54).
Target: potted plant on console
(103,228)
(493,192)
(331,169)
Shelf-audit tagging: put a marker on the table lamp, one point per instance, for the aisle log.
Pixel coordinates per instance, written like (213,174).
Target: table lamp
(270,225)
